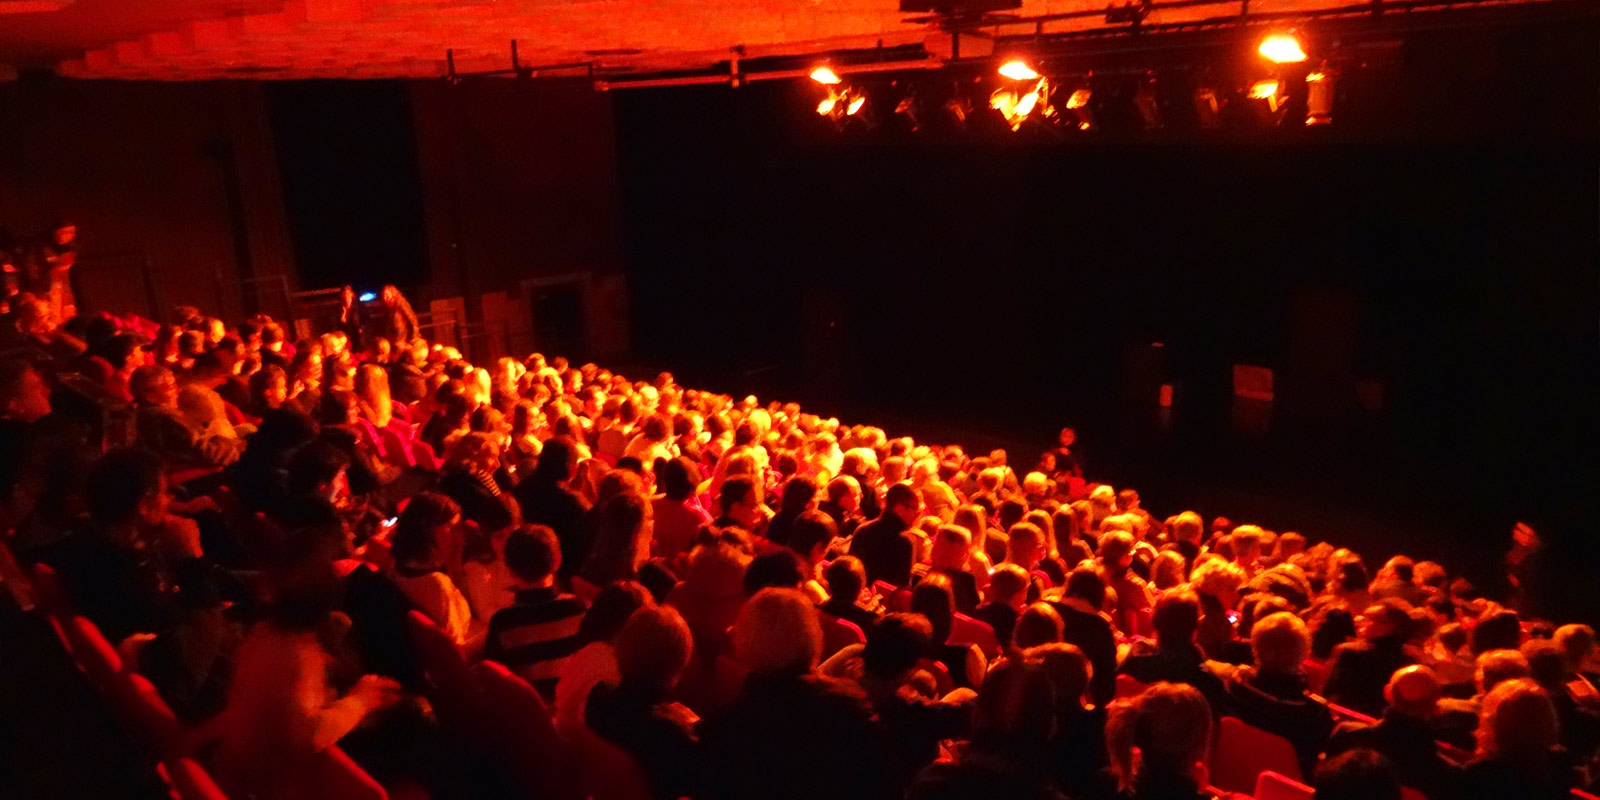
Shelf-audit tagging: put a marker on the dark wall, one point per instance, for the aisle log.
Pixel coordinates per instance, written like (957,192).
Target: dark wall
(995,286)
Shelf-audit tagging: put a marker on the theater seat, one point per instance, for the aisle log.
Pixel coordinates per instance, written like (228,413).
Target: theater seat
(1243,752)
(1316,674)
(837,634)
(516,724)
(1272,786)
(331,775)
(50,592)
(190,781)
(1351,715)
(608,771)
(966,630)
(1128,687)
(96,656)
(1408,793)
(452,689)
(148,716)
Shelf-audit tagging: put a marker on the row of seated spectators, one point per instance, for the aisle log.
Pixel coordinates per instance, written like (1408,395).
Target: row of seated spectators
(746,599)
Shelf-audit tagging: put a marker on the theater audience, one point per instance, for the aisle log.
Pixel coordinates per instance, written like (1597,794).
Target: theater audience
(595,660)
(652,651)
(1405,734)
(1518,753)
(1169,726)
(1175,658)
(1357,775)
(884,545)
(1360,669)
(1272,696)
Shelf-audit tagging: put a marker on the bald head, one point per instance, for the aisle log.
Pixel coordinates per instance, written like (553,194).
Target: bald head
(1413,691)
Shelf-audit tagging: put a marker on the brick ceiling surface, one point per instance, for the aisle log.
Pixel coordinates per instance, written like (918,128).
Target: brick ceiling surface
(205,39)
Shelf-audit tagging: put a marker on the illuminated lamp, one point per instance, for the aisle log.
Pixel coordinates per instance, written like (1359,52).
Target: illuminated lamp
(825,75)
(1264,89)
(1018,70)
(1282,48)
(855,105)
(1319,98)
(825,108)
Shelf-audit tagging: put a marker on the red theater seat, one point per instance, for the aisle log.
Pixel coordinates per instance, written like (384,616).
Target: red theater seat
(1128,687)
(148,716)
(190,781)
(1272,786)
(1316,674)
(50,592)
(837,634)
(1408,793)
(95,655)
(608,770)
(331,775)
(1243,752)
(966,630)
(515,722)
(453,690)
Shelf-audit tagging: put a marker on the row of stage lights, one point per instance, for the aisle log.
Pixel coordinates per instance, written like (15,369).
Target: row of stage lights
(1031,96)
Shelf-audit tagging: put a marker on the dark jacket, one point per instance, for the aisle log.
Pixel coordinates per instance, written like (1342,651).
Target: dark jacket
(795,737)
(479,500)
(547,503)
(1279,704)
(885,549)
(1184,664)
(1091,632)
(1500,779)
(641,721)
(1359,670)
(1408,744)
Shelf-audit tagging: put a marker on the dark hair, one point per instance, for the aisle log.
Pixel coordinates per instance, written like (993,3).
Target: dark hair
(809,530)
(1037,624)
(555,463)
(934,598)
(1085,583)
(734,492)
(313,464)
(846,577)
(779,569)
(1501,630)
(1332,627)
(610,610)
(631,464)
(1016,709)
(1352,576)
(900,495)
(119,482)
(678,477)
(305,588)
(895,644)
(617,539)
(533,553)
(798,492)
(1358,774)
(416,535)
(1176,618)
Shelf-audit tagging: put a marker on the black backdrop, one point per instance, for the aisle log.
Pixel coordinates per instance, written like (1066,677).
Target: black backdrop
(990,290)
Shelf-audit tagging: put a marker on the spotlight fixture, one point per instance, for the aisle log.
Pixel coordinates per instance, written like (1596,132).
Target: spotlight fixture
(1319,98)
(825,108)
(1282,48)
(1016,106)
(825,75)
(855,104)
(1264,89)
(843,102)
(1018,70)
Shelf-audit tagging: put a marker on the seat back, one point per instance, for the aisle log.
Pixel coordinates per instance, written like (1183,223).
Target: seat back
(148,716)
(1272,786)
(450,681)
(1316,674)
(1244,751)
(837,634)
(1350,715)
(1128,687)
(966,630)
(97,657)
(515,723)
(1408,793)
(609,772)
(331,775)
(190,781)
(50,592)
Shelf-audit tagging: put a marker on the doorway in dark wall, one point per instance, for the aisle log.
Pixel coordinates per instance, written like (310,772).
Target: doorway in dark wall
(347,153)
(558,317)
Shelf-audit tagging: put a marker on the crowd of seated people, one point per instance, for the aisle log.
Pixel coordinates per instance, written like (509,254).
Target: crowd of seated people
(746,599)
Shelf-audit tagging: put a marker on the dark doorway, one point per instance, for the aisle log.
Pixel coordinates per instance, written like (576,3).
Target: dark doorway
(347,153)
(558,319)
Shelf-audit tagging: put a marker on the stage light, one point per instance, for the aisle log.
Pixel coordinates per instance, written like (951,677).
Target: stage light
(1264,89)
(1319,98)
(1282,48)
(825,108)
(825,75)
(1079,99)
(855,105)
(1018,70)
(367,297)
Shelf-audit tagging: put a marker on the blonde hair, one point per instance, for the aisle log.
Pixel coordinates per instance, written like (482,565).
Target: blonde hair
(1518,721)
(777,633)
(1280,642)
(1167,572)
(1216,577)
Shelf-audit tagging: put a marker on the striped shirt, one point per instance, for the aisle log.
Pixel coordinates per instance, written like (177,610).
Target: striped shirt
(534,635)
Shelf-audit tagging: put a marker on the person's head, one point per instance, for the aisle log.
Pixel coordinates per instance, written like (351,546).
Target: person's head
(678,478)
(654,648)
(1357,774)
(1038,624)
(845,492)
(302,586)
(1187,527)
(1498,630)
(799,493)
(1069,671)
(1026,546)
(1413,691)
(1518,722)
(1167,571)
(1176,618)
(1086,585)
(777,633)
(951,547)
(126,486)
(895,644)
(1400,568)
(781,569)
(1280,643)
(610,610)
(934,598)
(533,554)
(424,529)
(1168,723)
(1220,580)
(810,535)
(23,393)
(904,502)
(1008,585)
(621,537)
(1547,664)
(1498,666)
(317,469)
(846,577)
(1577,641)
(1016,708)
(738,499)
(154,385)
(1116,550)
(1385,619)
